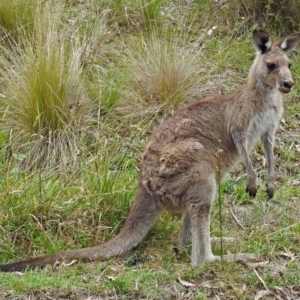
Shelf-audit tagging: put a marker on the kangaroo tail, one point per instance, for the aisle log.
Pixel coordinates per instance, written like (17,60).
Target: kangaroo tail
(139,221)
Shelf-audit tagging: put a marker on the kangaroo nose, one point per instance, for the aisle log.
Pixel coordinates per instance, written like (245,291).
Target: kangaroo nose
(288,84)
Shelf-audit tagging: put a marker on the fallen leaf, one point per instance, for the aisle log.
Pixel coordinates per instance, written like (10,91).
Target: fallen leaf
(74,261)
(111,278)
(273,295)
(213,284)
(185,283)
(295,182)
(287,254)
(18,273)
(258,264)
(263,293)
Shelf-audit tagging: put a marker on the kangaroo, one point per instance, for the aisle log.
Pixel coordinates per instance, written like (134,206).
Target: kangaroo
(179,170)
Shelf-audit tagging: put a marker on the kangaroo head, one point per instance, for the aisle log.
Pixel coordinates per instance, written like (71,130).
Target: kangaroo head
(272,66)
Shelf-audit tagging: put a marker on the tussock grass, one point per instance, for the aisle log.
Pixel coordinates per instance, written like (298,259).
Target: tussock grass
(45,105)
(163,72)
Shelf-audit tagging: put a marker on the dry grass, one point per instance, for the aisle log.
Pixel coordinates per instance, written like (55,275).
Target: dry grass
(163,73)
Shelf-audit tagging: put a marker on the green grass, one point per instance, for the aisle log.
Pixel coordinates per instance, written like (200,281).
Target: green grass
(17,17)
(131,62)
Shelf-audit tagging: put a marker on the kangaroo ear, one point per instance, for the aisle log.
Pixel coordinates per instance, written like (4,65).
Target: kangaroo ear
(288,43)
(261,40)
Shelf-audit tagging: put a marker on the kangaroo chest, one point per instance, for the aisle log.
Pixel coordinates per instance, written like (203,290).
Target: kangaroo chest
(265,121)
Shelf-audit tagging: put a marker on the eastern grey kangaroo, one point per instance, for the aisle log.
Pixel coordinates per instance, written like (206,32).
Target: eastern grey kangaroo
(179,166)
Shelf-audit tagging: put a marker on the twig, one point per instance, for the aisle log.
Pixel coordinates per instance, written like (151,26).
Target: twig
(42,228)
(245,7)
(236,219)
(45,295)
(220,202)
(276,295)
(260,279)
(269,234)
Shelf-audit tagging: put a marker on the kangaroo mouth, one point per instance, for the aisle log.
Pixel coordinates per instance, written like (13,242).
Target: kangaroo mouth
(284,90)
(286,86)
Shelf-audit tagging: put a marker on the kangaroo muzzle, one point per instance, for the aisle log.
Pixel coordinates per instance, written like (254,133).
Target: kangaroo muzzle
(286,86)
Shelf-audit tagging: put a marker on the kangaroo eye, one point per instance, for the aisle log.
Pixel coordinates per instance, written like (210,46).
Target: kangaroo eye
(271,67)
(290,65)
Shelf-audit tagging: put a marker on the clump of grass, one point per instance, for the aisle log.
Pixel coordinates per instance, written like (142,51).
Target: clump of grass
(163,74)
(17,15)
(45,105)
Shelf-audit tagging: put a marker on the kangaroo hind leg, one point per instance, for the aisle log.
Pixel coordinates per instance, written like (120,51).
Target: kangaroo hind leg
(185,236)
(199,206)
(200,199)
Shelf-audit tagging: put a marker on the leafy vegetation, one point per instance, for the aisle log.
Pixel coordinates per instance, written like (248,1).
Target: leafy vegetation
(81,89)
